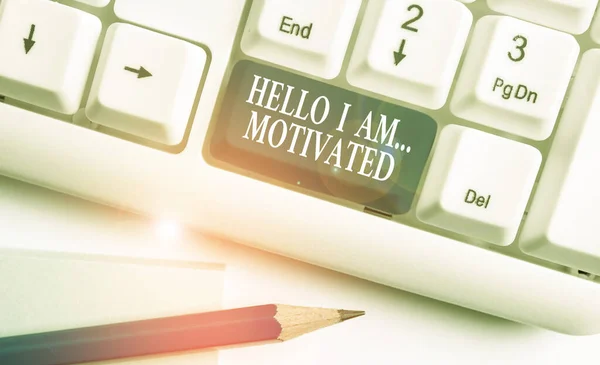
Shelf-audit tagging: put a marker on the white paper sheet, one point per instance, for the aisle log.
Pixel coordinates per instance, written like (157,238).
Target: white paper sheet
(44,292)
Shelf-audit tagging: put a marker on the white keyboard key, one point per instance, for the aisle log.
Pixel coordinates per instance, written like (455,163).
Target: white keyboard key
(595,29)
(96,3)
(47,51)
(137,92)
(478,184)
(573,16)
(562,224)
(393,55)
(208,22)
(515,76)
(309,36)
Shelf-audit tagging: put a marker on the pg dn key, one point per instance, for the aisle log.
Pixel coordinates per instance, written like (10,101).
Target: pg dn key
(515,76)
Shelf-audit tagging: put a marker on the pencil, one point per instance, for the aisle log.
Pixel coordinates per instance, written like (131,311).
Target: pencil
(210,330)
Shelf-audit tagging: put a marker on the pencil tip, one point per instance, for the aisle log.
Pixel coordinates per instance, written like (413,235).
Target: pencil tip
(346,314)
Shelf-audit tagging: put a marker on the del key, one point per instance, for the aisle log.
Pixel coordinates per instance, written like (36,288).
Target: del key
(311,135)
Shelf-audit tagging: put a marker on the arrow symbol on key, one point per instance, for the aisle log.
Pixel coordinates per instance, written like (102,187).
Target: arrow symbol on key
(29,42)
(399,54)
(141,72)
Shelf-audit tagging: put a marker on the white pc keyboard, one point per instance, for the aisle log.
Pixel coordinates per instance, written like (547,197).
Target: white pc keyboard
(439,146)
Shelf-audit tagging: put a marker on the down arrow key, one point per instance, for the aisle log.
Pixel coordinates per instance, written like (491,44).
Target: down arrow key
(399,54)
(29,42)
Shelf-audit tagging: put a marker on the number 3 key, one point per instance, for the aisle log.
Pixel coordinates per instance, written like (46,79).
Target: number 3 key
(515,76)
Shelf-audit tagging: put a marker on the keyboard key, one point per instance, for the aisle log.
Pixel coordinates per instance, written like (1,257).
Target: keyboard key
(562,224)
(393,55)
(137,92)
(573,16)
(209,22)
(47,51)
(478,184)
(322,138)
(309,36)
(595,29)
(96,3)
(515,76)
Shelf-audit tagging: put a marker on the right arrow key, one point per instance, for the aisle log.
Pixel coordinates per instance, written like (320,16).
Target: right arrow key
(141,72)
(139,93)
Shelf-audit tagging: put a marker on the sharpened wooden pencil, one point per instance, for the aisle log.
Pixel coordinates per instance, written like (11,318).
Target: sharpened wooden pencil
(210,330)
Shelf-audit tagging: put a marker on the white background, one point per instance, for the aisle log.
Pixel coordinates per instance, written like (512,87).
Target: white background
(399,328)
